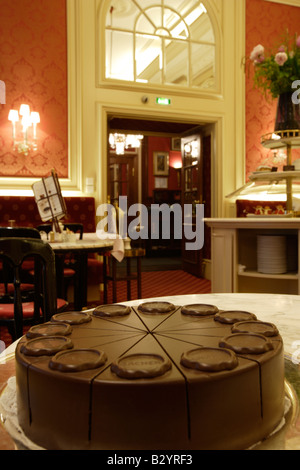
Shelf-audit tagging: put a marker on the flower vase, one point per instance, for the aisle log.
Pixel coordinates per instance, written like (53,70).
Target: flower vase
(288,113)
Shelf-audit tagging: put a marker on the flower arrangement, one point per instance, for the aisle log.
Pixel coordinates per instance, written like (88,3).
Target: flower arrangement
(276,73)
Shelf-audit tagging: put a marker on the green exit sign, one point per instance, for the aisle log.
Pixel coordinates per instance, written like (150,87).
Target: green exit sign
(163,101)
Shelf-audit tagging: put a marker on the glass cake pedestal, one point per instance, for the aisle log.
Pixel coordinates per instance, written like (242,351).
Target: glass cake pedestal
(282,310)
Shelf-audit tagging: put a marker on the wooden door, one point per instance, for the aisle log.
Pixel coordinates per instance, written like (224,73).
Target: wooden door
(123,178)
(192,194)
(122,181)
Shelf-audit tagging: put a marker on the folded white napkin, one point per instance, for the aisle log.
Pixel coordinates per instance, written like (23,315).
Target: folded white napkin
(118,249)
(118,246)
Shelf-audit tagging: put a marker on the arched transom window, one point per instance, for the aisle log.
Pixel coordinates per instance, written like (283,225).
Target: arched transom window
(160,42)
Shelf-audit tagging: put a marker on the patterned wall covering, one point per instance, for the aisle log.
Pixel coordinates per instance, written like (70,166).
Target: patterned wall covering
(265,22)
(33,65)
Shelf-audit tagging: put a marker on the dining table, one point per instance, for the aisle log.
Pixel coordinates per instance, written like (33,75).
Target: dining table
(282,310)
(79,250)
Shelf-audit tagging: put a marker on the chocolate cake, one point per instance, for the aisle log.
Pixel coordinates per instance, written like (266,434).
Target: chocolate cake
(156,376)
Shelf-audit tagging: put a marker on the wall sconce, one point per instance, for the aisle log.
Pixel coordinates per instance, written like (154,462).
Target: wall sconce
(28,119)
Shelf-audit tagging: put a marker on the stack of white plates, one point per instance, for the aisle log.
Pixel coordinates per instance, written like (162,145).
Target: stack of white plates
(271,254)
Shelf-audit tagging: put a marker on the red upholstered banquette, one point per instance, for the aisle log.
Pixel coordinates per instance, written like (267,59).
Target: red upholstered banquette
(23,210)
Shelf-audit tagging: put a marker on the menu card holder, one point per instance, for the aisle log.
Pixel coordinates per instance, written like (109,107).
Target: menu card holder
(49,199)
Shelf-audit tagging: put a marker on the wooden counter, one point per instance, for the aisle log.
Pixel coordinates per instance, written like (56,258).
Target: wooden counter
(234,255)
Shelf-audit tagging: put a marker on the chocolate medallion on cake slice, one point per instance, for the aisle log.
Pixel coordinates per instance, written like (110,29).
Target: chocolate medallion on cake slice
(154,313)
(72,318)
(49,329)
(156,308)
(78,360)
(46,346)
(201,310)
(209,359)
(263,328)
(234,316)
(141,366)
(111,311)
(247,343)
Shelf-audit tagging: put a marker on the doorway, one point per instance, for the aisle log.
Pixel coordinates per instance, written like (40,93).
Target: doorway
(163,139)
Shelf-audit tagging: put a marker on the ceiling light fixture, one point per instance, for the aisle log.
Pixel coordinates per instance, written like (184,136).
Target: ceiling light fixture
(122,142)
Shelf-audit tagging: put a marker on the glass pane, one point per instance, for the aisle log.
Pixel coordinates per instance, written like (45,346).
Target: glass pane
(195,178)
(187,179)
(143,25)
(154,15)
(180,30)
(200,26)
(121,15)
(176,64)
(191,152)
(203,66)
(119,55)
(148,58)
(174,24)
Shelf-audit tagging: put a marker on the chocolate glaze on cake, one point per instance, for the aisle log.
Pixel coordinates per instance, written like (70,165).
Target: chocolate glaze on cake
(153,378)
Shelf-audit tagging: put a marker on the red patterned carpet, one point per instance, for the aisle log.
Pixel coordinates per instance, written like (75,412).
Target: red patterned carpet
(163,283)
(154,284)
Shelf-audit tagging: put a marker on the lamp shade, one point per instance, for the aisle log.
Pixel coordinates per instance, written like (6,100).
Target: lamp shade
(13,115)
(35,117)
(24,110)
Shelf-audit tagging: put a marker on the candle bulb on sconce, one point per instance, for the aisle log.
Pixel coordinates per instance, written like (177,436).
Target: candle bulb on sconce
(28,119)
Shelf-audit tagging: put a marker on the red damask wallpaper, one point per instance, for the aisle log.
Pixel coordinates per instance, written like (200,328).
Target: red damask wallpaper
(33,65)
(266,22)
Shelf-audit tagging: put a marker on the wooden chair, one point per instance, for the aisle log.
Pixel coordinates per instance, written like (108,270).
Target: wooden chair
(44,302)
(19,232)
